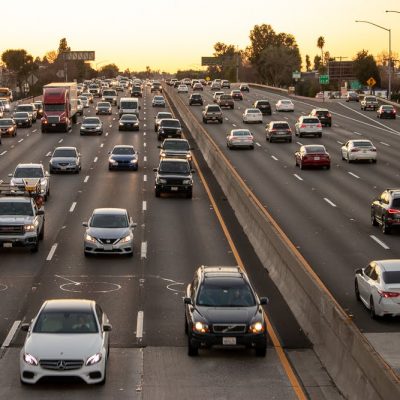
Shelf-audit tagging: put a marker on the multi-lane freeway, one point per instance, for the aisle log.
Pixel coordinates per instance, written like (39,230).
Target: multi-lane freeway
(143,295)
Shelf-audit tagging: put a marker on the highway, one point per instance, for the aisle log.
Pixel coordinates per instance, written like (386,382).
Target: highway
(325,213)
(143,295)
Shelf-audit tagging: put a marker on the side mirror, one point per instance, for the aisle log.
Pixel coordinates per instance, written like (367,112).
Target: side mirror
(85,224)
(133,225)
(187,300)
(40,212)
(359,271)
(107,327)
(264,300)
(155,169)
(24,327)
(109,152)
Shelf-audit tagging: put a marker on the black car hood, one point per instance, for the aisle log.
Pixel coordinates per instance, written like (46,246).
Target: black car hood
(228,315)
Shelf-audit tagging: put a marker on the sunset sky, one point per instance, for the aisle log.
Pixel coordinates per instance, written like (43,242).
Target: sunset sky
(174,34)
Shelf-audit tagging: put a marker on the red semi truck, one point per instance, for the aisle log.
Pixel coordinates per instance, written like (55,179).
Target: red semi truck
(60,101)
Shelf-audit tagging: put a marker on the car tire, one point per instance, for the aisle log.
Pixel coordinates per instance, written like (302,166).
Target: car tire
(357,290)
(35,248)
(374,222)
(189,194)
(372,312)
(41,233)
(103,381)
(290,140)
(385,229)
(251,147)
(301,165)
(193,350)
(261,351)
(130,255)
(157,193)
(86,254)
(186,326)
(320,135)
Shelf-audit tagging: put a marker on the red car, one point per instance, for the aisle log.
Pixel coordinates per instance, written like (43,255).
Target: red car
(312,155)
(237,95)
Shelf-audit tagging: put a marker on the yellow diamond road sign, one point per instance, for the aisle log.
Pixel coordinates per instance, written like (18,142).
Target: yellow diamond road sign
(371,81)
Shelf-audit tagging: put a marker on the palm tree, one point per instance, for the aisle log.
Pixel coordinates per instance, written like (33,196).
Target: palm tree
(321,44)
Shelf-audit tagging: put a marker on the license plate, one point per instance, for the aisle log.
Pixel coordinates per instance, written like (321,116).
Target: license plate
(229,341)
(213,117)
(317,158)
(108,247)
(7,244)
(53,124)
(174,188)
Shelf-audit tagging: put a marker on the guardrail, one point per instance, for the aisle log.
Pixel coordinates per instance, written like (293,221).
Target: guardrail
(357,369)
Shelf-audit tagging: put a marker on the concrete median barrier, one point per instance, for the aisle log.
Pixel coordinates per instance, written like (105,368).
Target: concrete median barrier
(357,369)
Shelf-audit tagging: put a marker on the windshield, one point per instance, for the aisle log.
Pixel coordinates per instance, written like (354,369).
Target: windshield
(129,104)
(21,115)
(174,167)
(225,293)
(123,150)
(311,120)
(5,122)
(176,145)
(241,133)
(129,118)
(171,123)
(16,208)
(24,108)
(253,111)
(65,322)
(64,153)
(362,144)
(103,105)
(109,221)
(28,172)
(280,126)
(109,93)
(91,121)
(54,107)
(164,115)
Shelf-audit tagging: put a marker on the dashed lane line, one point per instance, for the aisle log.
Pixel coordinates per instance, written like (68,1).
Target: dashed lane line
(330,202)
(358,133)
(385,144)
(86,179)
(143,250)
(274,158)
(298,177)
(352,174)
(48,154)
(258,144)
(11,334)
(52,251)
(106,133)
(4,152)
(72,208)
(95,159)
(139,325)
(102,145)
(20,140)
(384,245)
(34,130)
(144,205)
(61,140)
(144,178)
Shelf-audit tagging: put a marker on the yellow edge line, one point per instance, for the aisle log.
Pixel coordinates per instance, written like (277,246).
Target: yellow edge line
(297,387)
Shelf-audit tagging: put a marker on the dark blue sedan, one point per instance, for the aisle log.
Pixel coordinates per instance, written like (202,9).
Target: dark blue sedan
(123,157)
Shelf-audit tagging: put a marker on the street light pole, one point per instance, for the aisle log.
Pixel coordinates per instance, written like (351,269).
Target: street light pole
(390,55)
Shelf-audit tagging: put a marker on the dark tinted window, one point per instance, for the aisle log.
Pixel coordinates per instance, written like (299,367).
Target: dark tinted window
(28,172)
(322,113)
(310,121)
(391,276)
(123,150)
(263,103)
(170,123)
(91,121)
(109,221)
(54,107)
(128,117)
(174,167)
(21,115)
(176,145)
(280,126)
(16,208)
(64,153)
(5,122)
(314,149)
(396,203)
(225,293)
(213,109)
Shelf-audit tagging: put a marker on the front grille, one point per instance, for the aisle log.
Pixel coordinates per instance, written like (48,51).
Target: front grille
(53,119)
(107,241)
(61,365)
(11,230)
(171,181)
(229,328)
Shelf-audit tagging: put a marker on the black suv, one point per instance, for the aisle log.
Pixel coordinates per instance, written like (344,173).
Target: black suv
(156,87)
(212,113)
(169,127)
(264,106)
(174,175)
(323,115)
(195,98)
(222,309)
(136,91)
(385,210)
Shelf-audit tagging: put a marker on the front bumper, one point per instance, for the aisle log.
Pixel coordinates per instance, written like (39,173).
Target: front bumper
(124,165)
(99,248)
(29,239)
(212,339)
(168,188)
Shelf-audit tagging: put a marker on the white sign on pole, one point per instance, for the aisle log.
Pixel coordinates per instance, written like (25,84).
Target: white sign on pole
(32,79)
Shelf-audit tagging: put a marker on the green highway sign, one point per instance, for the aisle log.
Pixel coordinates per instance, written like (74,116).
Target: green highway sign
(210,61)
(296,75)
(324,79)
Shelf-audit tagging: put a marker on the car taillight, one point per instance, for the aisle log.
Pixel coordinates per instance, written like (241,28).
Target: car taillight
(393,211)
(303,125)
(354,150)
(319,125)
(387,295)
(329,115)
(373,149)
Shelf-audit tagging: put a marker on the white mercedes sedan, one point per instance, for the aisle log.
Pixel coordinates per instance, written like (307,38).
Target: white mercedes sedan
(67,338)
(284,105)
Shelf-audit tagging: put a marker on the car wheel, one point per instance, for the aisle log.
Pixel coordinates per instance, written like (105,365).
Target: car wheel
(186,326)
(103,381)
(301,165)
(193,350)
(384,227)
(41,234)
(130,254)
(87,254)
(374,222)
(372,308)
(35,248)
(357,291)
(251,147)
(189,194)
(328,167)
(158,193)
(261,351)
(320,135)
(290,140)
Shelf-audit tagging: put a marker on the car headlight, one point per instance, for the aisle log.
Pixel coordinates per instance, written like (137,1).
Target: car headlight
(29,227)
(126,239)
(187,181)
(161,130)
(112,161)
(161,180)
(256,327)
(30,359)
(134,161)
(189,156)
(200,327)
(163,154)
(94,359)
(90,239)
(121,123)
(98,127)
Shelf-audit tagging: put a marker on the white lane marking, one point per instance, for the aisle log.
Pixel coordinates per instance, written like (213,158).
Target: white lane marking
(114,119)
(72,207)
(34,130)
(86,179)
(330,202)
(144,126)
(20,140)
(144,158)
(143,250)
(4,152)
(274,158)
(106,133)
(145,178)
(102,145)
(110,126)
(144,133)
(286,117)
(336,125)
(300,144)
(298,177)
(144,144)
(234,125)
(11,334)
(139,324)
(61,140)
(95,159)
(48,154)
(226,119)
(355,176)
(358,133)
(338,141)
(384,245)
(144,205)
(258,144)
(52,251)
(385,144)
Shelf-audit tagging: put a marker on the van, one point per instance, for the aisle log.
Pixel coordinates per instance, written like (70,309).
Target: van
(129,105)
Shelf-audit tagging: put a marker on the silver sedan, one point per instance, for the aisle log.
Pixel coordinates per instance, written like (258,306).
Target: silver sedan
(109,231)
(361,149)
(240,138)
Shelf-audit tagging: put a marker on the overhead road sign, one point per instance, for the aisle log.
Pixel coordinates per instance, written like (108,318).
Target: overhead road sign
(324,79)
(78,55)
(371,82)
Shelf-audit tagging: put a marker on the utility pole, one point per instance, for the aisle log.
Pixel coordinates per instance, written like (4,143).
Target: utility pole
(237,63)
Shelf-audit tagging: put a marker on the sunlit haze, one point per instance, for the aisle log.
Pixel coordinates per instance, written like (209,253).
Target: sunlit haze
(175,34)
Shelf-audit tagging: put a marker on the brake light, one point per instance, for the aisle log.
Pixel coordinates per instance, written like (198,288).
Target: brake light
(319,125)
(393,211)
(354,150)
(329,115)
(388,295)
(303,125)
